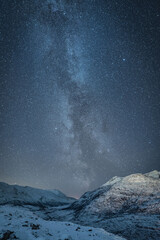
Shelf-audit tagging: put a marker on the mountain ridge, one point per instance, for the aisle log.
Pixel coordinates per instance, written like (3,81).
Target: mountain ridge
(25,195)
(126,206)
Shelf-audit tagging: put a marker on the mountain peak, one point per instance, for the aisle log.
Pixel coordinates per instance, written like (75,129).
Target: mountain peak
(153,174)
(134,178)
(112,181)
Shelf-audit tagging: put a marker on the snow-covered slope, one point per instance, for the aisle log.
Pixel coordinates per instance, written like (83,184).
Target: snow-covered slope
(19,223)
(134,193)
(17,195)
(128,206)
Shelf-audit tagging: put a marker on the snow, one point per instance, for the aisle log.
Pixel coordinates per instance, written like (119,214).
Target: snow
(128,206)
(28,195)
(112,181)
(25,225)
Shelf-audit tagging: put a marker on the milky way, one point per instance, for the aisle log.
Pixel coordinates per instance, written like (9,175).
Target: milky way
(80,92)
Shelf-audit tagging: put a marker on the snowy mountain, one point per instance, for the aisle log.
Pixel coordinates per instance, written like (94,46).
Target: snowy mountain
(136,193)
(128,206)
(19,223)
(17,195)
(125,206)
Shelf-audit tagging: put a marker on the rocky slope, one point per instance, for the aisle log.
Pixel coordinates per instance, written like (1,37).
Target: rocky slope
(136,193)
(128,206)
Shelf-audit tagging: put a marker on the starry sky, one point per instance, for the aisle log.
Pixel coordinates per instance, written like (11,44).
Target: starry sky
(80,91)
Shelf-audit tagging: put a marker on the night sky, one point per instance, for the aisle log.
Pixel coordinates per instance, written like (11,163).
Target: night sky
(80,91)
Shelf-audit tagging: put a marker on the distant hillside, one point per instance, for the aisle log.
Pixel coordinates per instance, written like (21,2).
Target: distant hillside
(18,195)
